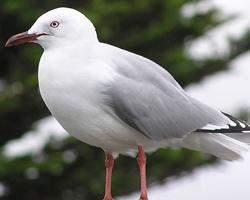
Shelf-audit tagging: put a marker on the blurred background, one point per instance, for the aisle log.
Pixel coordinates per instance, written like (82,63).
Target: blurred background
(203,43)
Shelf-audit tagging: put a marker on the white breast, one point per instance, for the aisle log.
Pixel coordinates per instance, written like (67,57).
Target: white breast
(73,94)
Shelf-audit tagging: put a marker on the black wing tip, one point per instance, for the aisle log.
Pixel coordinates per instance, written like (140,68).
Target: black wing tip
(239,127)
(236,120)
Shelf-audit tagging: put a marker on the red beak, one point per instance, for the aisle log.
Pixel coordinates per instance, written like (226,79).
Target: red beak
(22,38)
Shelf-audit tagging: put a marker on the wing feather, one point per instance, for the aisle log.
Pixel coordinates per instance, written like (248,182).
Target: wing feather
(148,98)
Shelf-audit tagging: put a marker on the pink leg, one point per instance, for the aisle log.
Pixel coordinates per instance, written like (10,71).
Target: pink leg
(109,163)
(141,159)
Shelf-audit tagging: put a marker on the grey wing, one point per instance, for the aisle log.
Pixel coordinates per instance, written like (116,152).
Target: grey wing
(147,97)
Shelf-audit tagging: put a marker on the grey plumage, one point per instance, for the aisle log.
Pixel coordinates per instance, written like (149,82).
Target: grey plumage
(149,99)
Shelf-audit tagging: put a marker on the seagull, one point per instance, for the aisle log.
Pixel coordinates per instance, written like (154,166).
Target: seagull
(119,101)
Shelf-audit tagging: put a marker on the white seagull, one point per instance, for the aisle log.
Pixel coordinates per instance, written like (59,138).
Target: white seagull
(119,101)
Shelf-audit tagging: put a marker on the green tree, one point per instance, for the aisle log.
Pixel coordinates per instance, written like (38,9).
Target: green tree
(70,169)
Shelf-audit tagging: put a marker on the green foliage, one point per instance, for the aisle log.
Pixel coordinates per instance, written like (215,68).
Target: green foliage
(73,170)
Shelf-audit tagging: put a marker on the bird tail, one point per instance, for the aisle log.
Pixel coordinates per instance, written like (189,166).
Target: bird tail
(243,137)
(220,145)
(226,142)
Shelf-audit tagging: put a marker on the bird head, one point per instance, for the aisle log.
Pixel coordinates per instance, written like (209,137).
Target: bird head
(61,26)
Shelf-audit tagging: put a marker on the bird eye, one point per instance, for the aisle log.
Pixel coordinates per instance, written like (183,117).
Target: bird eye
(54,24)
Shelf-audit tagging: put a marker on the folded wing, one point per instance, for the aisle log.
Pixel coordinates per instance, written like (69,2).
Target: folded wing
(147,97)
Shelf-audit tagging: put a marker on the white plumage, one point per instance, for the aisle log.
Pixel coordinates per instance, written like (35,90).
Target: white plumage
(75,73)
(119,101)
(116,100)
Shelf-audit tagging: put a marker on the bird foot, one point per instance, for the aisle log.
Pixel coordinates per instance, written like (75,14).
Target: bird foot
(143,198)
(108,198)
